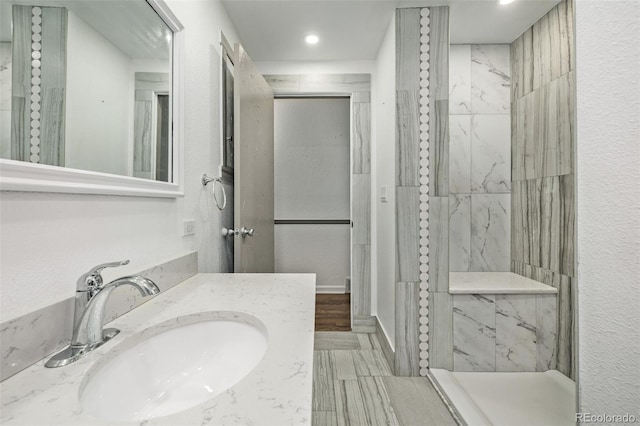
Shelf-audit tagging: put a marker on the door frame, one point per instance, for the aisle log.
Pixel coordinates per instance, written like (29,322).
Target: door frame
(358,88)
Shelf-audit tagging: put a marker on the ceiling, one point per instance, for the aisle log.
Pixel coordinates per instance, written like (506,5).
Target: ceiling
(352,30)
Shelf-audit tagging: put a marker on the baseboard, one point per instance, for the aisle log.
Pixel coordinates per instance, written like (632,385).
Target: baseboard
(331,289)
(385,344)
(363,324)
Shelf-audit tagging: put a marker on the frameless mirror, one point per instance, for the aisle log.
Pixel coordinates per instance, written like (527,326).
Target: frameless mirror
(87,85)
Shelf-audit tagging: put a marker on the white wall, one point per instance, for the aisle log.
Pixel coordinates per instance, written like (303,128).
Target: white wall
(98,101)
(48,240)
(608,210)
(383,174)
(338,67)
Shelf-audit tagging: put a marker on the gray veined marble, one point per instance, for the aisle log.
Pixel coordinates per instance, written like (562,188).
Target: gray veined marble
(441,330)
(407,224)
(563,315)
(543,227)
(460,79)
(439,149)
(407,321)
(407,129)
(361,271)
(361,184)
(377,402)
(515,333)
(323,382)
(474,332)
(350,408)
(546,332)
(491,154)
(439,54)
(490,79)
(460,154)
(361,137)
(438,243)
(490,232)
(343,365)
(407,49)
(459,232)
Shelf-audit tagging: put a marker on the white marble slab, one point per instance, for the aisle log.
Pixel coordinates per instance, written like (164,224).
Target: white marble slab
(490,232)
(277,391)
(495,283)
(515,332)
(474,332)
(459,232)
(460,79)
(490,154)
(460,154)
(490,79)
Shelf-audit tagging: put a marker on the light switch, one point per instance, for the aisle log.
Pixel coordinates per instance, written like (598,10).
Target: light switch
(383,194)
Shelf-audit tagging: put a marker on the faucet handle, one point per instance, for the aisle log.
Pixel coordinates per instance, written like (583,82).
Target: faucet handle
(92,280)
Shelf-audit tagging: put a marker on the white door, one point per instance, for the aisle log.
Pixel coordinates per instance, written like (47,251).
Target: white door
(253,167)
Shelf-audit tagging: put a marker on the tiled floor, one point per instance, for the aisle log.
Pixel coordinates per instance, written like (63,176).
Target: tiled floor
(353,385)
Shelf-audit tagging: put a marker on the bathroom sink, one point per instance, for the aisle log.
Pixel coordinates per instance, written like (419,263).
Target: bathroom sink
(173,366)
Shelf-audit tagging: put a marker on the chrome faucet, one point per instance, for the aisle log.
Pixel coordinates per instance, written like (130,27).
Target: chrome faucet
(88,316)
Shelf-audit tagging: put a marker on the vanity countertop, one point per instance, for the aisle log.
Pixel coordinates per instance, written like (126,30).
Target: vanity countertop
(276,392)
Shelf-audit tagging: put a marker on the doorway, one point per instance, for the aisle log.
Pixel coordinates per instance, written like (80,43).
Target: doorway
(312,199)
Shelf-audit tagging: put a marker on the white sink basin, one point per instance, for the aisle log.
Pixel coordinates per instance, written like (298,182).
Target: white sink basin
(173,366)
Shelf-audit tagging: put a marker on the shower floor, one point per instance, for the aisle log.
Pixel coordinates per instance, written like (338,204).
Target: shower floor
(509,399)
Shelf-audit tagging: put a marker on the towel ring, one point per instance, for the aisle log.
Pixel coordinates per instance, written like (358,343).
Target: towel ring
(205,180)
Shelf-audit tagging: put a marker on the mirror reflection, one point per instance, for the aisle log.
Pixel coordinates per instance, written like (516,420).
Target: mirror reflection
(86,85)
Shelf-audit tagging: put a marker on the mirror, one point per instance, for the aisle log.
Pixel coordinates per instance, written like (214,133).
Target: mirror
(88,85)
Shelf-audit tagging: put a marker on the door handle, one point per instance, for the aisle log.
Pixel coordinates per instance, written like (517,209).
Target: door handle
(227,232)
(244,232)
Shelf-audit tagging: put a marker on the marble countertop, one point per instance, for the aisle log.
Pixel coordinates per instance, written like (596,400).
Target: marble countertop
(276,392)
(495,283)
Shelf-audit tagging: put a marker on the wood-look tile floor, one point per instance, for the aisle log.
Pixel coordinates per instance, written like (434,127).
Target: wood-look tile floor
(353,385)
(333,312)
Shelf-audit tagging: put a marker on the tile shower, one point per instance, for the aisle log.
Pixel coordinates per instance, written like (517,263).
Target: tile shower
(510,205)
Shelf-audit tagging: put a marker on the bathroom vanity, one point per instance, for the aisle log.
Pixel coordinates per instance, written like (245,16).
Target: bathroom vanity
(276,392)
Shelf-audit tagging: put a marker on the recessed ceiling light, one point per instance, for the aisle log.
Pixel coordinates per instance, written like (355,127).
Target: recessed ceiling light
(312,39)
(503,2)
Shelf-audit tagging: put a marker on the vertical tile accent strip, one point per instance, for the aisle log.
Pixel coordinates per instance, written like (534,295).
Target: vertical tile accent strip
(423,336)
(36,56)
(38,84)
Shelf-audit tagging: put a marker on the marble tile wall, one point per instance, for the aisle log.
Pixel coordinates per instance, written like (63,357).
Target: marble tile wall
(437,270)
(504,332)
(29,338)
(422,181)
(479,158)
(542,165)
(407,188)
